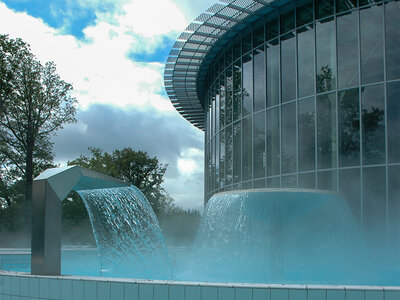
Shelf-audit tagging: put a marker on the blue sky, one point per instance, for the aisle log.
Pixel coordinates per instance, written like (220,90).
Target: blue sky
(113,52)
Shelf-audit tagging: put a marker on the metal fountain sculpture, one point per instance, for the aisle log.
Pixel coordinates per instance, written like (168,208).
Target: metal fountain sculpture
(49,189)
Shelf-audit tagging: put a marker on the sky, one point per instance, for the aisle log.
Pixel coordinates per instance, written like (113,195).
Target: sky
(113,53)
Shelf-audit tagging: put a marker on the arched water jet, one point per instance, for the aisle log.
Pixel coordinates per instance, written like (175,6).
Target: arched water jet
(49,189)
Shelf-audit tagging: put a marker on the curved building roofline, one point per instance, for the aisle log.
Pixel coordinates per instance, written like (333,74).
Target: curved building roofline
(197,46)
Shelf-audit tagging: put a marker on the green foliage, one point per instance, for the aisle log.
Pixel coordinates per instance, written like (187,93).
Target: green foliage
(34,104)
(134,167)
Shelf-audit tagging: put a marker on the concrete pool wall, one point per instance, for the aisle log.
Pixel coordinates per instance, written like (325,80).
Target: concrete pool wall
(23,286)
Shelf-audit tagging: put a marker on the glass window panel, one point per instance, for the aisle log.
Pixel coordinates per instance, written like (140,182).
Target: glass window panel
(222,99)
(287,22)
(272,73)
(258,36)
(237,90)
(259,79)
(247,149)
(343,5)
(326,131)
(349,128)
(326,71)
(259,184)
(216,173)
(350,188)
(213,113)
(289,149)
(347,43)
(212,181)
(237,50)
(304,14)
(259,145)
(371,30)
(271,29)
(228,155)
(273,142)
(393,121)
(373,125)
(374,205)
(217,107)
(289,181)
(306,121)
(247,91)
(237,155)
(207,168)
(228,97)
(394,204)
(307,181)
(228,56)
(208,128)
(323,8)
(327,180)
(273,182)
(222,159)
(246,43)
(392,19)
(305,48)
(288,63)
(247,185)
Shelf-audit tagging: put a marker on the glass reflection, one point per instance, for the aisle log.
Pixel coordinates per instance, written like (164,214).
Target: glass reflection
(237,155)
(222,159)
(228,155)
(247,149)
(247,92)
(373,125)
(306,120)
(259,145)
(259,79)
(371,32)
(327,180)
(325,44)
(228,95)
(305,50)
(273,142)
(393,121)
(349,128)
(289,148)
(326,131)
(392,20)
(222,99)
(307,181)
(288,67)
(272,73)
(237,90)
(347,42)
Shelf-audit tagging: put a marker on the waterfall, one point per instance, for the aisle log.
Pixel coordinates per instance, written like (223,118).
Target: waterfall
(291,236)
(127,233)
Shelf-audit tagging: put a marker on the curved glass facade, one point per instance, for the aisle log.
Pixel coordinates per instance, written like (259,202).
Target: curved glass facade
(311,99)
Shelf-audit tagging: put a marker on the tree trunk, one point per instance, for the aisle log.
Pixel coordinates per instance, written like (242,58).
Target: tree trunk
(28,185)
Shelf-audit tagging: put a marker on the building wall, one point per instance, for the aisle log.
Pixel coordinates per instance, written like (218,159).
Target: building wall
(311,99)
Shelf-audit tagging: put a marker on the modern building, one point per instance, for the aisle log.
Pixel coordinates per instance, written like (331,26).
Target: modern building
(297,94)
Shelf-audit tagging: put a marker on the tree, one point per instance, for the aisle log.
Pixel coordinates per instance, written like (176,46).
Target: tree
(34,104)
(135,167)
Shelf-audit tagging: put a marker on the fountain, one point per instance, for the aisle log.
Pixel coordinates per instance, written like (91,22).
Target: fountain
(255,240)
(127,233)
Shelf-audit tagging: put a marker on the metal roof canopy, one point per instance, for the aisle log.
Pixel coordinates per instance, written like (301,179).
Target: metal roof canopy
(199,44)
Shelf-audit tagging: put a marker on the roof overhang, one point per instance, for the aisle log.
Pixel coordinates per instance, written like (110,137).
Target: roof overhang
(197,46)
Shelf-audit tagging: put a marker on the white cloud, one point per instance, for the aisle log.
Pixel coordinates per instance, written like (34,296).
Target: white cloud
(101,73)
